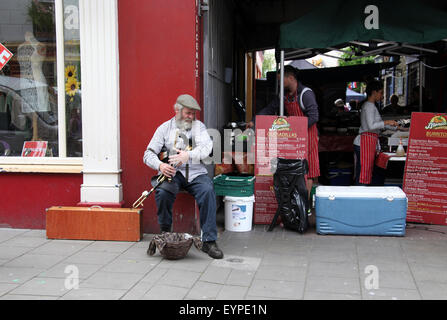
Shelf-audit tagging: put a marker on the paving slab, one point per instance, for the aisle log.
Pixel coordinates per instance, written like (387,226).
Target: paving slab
(63,269)
(432,290)
(111,280)
(40,286)
(333,284)
(390,294)
(57,248)
(8,252)
(204,291)
(241,278)
(92,257)
(7,287)
(39,261)
(179,278)
(228,292)
(93,294)
(27,297)
(129,266)
(275,289)
(16,275)
(259,265)
(217,275)
(316,295)
(165,292)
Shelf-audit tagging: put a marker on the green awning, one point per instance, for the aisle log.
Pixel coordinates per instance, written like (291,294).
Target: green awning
(337,22)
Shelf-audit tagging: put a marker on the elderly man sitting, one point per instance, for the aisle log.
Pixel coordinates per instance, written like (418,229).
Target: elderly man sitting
(191,174)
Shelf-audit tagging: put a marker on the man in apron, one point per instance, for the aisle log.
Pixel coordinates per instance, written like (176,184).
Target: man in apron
(300,101)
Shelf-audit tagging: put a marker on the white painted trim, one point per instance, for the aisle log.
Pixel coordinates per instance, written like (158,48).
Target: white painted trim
(60,61)
(100,101)
(40,161)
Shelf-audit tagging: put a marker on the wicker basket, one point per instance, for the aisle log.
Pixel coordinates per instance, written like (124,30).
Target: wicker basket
(173,246)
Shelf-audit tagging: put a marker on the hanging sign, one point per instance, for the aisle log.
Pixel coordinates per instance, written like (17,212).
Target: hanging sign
(425,178)
(5,56)
(276,137)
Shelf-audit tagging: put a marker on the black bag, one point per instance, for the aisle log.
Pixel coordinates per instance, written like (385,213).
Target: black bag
(291,193)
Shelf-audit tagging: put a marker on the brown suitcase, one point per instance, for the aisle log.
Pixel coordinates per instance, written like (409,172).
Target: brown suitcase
(94,223)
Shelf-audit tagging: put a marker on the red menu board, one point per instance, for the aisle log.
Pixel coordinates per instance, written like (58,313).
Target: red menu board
(276,137)
(425,178)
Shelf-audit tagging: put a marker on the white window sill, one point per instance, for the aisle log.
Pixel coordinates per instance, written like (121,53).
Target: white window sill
(41,165)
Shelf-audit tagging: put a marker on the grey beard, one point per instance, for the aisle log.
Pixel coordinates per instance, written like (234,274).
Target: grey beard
(183,125)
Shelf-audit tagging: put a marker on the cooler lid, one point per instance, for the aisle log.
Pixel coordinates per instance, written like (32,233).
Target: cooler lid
(359,192)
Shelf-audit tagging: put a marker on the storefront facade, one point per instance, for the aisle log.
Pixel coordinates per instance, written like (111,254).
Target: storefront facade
(120,66)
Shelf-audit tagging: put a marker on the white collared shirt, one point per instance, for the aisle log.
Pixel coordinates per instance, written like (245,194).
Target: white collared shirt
(170,136)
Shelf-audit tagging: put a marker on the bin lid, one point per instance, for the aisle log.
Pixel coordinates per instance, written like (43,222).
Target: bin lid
(359,192)
(239,199)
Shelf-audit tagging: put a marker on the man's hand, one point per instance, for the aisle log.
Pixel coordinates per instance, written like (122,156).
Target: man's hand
(181,157)
(167,170)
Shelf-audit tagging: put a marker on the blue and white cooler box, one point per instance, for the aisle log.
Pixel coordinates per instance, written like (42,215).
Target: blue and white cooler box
(238,213)
(361,210)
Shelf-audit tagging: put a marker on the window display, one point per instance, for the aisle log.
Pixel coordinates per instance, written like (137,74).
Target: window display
(30,107)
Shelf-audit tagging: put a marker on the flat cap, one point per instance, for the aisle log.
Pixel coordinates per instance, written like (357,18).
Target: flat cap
(339,103)
(188,101)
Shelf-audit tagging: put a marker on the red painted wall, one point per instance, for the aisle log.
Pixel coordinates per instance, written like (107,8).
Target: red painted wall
(24,197)
(157,47)
(158,62)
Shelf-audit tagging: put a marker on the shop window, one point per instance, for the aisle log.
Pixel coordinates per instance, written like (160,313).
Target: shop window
(40,86)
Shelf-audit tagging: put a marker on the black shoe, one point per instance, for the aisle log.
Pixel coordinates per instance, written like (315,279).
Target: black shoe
(212,250)
(165,228)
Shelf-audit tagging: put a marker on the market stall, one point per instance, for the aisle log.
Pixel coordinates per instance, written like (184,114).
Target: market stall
(356,24)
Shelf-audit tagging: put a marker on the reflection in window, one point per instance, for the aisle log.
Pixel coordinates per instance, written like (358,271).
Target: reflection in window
(72,78)
(28,83)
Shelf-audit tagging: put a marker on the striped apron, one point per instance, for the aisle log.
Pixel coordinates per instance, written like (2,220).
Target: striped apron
(293,109)
(368,149)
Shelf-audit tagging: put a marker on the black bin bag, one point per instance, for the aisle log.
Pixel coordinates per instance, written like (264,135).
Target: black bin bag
(291,193)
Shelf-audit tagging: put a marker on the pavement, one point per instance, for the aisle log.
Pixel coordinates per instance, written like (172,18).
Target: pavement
(258,265)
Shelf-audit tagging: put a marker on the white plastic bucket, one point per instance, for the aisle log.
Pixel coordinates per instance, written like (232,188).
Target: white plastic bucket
(238,213)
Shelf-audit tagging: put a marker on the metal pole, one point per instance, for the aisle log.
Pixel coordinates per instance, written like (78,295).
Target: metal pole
(420,84)
(276,79)
(281,85)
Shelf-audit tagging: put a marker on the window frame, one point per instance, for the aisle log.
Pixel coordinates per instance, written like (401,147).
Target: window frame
(61,163)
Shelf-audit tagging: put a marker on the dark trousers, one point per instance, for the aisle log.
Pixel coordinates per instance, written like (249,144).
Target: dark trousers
(378,176)
(203,191)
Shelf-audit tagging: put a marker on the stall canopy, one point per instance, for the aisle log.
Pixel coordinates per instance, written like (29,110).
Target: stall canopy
(370,28)
(360,73)
(377,27)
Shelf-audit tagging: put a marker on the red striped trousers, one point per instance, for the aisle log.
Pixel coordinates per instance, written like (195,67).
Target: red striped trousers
(368,150)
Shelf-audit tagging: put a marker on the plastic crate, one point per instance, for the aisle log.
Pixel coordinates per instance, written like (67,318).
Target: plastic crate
(234,186)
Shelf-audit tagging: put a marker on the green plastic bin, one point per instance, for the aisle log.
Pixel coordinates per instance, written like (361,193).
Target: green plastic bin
(234,186)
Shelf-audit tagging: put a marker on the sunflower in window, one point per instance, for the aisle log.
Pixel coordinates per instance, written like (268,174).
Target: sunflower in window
(70,71)
(72,86)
